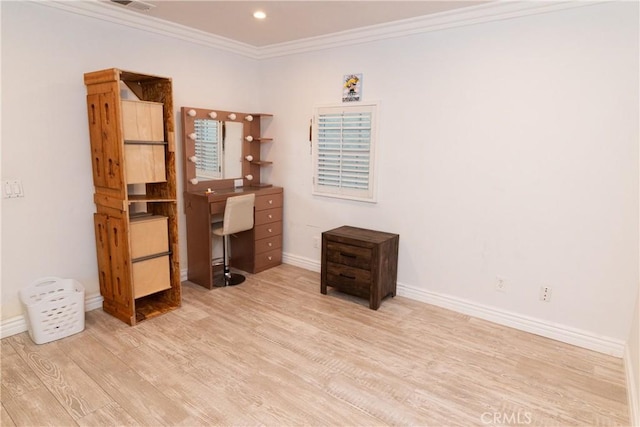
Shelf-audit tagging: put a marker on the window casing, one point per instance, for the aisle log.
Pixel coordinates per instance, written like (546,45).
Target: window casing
(344,140)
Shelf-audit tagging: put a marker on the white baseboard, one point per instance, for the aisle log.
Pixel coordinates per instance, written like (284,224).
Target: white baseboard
(630,366)
(298,261)
(12,326)
(533,325)
(18,324)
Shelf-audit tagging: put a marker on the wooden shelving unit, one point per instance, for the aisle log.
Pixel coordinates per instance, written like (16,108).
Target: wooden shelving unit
(133,147)
(254,167)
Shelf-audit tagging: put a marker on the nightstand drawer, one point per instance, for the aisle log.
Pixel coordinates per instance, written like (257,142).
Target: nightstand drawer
(353,256)
(351,280)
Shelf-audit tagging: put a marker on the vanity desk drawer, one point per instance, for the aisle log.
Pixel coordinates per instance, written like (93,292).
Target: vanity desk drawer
(268,201)
(268,216)
(268,230)
(269,244)
(217,208)
(268,259)
(360,262)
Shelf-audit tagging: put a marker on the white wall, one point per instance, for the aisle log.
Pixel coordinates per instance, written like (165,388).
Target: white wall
(506,149)
(45,140)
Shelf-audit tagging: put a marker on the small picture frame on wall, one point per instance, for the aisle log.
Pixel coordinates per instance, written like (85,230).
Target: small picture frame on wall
(352,87)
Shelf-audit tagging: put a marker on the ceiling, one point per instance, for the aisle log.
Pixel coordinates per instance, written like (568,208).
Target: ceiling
(287,21)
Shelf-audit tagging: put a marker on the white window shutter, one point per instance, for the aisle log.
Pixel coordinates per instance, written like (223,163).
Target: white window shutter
(344,151)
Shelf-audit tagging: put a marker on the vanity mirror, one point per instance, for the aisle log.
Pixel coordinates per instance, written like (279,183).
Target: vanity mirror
(220,148)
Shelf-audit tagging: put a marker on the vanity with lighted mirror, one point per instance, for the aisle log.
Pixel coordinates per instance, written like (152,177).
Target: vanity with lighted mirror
(221,159)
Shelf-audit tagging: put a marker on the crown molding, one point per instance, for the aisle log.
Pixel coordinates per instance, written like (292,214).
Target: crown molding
(110,13)
(486,12)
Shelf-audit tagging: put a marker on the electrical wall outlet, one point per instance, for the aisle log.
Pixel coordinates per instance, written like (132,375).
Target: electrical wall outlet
(545,293)
(316,242)
(501,285)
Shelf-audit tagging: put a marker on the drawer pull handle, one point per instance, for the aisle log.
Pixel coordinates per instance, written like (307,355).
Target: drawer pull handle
(347,255)
(270,216)
(269,244)
(270,231)
(270,202)
(347,276)
(269,258)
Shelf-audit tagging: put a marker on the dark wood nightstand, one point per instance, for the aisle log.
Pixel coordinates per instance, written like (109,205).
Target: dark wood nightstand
(360,262)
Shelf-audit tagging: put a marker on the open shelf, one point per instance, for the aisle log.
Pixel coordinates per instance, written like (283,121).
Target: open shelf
(146,198)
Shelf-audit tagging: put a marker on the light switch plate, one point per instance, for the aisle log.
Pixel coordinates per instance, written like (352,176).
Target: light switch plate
(12,188)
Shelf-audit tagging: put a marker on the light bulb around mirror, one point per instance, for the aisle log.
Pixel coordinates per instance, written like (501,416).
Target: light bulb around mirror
(193,159)
(194,181)
(232,116)
(192,136)
(248,118)
(248,138)
(249,177)
(213,114)
(191,113)
(249,158)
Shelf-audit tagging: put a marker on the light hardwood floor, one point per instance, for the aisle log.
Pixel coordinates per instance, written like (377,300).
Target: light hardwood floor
(274,351)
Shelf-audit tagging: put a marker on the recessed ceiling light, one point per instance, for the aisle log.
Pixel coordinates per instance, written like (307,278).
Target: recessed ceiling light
(259,14)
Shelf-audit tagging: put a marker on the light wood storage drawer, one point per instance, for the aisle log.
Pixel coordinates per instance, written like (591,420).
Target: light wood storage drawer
(151,276)
(144,163)
(149,235)
(142,121)
(144,149)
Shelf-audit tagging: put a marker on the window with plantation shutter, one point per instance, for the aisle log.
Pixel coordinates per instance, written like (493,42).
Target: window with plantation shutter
(208,154)
(343,151)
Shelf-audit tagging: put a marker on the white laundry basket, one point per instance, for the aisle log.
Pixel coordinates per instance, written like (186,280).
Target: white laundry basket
(54,308)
